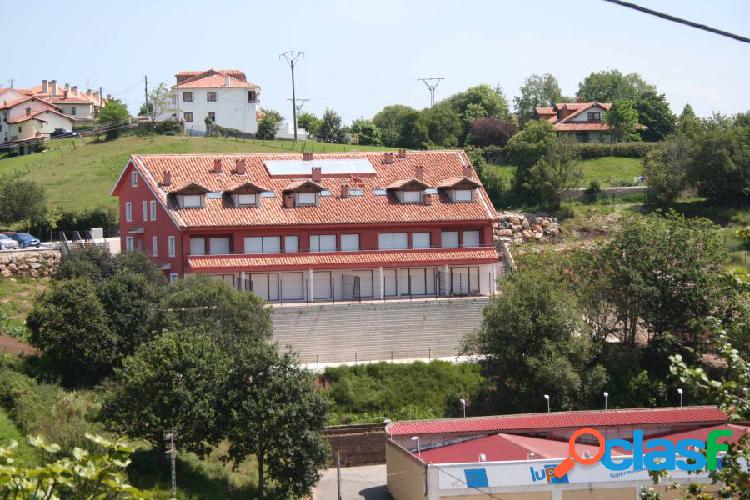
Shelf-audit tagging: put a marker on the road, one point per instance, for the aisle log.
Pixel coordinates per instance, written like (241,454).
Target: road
(366,482)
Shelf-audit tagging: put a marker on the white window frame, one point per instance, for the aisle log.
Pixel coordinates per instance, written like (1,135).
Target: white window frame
(129,244)
(411,196)
(171,246)
(451,234)
(128,211)
(246,203)
(388,241)
(415,237)
(266,244)
(173,277)
(294,246)
(152,209)
(154,246)
(463,195)
(471,234)
(134,179)
(350,242)
(316,239)
(145,211)
(307,198)
(192,197)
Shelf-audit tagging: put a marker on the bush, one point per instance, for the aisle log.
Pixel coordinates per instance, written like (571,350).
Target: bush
(619,149)
(591,193)
(168,127)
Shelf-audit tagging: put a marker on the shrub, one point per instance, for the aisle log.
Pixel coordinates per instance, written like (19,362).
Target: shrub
(620,150)
(591,193)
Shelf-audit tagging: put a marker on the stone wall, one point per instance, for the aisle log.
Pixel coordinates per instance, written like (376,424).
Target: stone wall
(33,263)
(518,228)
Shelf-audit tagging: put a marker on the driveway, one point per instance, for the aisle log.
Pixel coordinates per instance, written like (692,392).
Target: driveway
(366,482)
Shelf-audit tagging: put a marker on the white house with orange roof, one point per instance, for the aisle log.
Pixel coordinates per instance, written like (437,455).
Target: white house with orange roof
(223,96)
(24,117)
(585,121)
(72,101)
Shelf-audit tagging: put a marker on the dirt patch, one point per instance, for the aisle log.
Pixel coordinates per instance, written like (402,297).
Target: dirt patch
(16,347)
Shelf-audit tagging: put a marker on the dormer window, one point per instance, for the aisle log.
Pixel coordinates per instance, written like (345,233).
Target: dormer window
(594,116)
(246,200)
(458,195)
(303,193)
(190,200)
(306,198)
(409,196)
(243,195)
(189,196)
(459,189)
(408,190)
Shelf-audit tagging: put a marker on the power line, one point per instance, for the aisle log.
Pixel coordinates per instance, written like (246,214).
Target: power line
(680,20)
(432,84)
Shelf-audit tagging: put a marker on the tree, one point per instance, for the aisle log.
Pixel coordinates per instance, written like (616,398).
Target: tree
(525,149)
(554,173)
(622,119)
(654,114)
(71,328)
(537,90)
(477,102)
(214,308)
(277,416)
(490,132)
(330,127)
(97,264)
(533,341)
(612,85)
(390,120)
(721,164)
(269,124)
(22,201)
(368,134)
(161,102)
(172,383)
(414,133)
(309,122)
(113,117)
(666,167)
(443,125)
(688,124)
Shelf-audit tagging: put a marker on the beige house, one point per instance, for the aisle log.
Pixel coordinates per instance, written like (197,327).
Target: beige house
(72,101)
(24,118)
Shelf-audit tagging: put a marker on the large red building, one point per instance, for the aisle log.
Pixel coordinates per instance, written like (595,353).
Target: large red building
(304,227)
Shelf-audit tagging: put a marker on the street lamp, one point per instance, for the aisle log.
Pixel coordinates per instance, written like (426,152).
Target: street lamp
(679,391)
(419,451)
(463,404)
(546,396)
(606,396)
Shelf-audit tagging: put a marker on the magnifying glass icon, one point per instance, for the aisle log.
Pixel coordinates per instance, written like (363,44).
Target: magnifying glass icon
(574,457)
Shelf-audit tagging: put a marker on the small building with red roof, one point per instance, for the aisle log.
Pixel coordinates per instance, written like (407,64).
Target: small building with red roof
(585,121)
(310,228)
(29,118)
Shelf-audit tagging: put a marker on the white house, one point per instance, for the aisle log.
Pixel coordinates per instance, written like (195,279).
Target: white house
(72,101)
(24,117)
(223,96)
(585,121)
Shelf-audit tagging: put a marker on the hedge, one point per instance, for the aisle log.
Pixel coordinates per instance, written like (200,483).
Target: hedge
(620,149)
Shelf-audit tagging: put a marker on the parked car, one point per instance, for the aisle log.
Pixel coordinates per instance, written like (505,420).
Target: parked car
(7,243)
(26,240)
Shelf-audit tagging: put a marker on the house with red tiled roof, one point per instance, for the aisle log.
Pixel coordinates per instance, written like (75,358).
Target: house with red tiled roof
(223,97)
(585,121)
(309,228)
(71,101)
(29,118)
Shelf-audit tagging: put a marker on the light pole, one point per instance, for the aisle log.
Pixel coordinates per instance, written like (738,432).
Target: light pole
(463,404)
(546,396)
(679,391)
(419,451)
(606,396)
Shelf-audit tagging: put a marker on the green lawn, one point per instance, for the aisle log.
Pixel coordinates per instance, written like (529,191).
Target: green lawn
(609,171)
(8,433)
(78,173)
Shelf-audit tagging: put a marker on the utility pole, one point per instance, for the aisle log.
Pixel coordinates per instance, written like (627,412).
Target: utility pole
(291,58)
(432,84)
(100,97)
(169,438)
(338,474)
(145,80)
(301,104)
(12,81)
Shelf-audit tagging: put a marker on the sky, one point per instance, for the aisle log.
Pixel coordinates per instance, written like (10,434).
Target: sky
(360,56)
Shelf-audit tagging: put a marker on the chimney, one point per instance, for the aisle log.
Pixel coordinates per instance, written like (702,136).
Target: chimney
(388,158)
(419,172)
(53,87)
(307,156)
(67,86)
(217,166)
(467,171)
(28,111)
(288,201)
(167,179)
(317,174)
(88,92)
(579,98)
(44,86)
(227,81)
(74,90)
(402,153)
(345,190)
(427,199)
(240,167)
(65,94)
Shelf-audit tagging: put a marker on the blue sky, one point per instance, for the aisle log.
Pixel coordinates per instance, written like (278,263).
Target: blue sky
(363,55)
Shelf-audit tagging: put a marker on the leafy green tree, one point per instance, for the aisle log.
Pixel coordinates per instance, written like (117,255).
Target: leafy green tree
(390,120)
(666,167)
(97,264)
(22,201)
(721,164)
(687,123)
(172,383)
(277,416)
(210,306)
(269,125)
(368,134)
(533,341)
(490,132)
(525,149)
(654,114)
(555,172)
(477,102)
(414,133)
(161,102)
(309,122)
(443,125)
(70,327)
(113,117)
(537,90)
(330,129)
(612,85)
(622,118)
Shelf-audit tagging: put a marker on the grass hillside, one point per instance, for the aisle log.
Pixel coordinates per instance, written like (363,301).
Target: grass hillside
(609,171)
(78,173)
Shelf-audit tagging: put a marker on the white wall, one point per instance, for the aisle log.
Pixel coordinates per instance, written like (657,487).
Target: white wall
(83,111)
(231,108)
(584,116)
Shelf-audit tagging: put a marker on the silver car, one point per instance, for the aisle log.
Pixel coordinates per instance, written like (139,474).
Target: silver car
(7,243)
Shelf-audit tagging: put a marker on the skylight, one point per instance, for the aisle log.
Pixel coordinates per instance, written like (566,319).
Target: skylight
(268,194)
(379,192)
(213,196)
(328,167)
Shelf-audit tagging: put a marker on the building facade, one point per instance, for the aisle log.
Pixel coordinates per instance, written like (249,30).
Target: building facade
(69,99)
(585,121)
(293,227)
(224,97)
(24,118)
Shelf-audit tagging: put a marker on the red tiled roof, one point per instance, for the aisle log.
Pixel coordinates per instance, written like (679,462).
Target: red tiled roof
(562,126)
(333,260)
(236,73)
(560,420)
(545,110)
(34,115)
(14,102)
(568,124)
(369,208)
(214,79)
